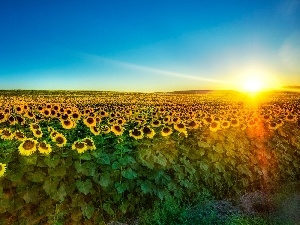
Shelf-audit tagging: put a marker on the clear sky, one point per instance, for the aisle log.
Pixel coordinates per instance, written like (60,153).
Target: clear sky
(157,45)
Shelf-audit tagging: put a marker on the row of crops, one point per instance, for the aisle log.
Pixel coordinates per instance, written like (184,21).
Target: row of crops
(90,157)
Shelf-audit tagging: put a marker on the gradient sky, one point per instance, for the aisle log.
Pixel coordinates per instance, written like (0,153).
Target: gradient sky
(147,45)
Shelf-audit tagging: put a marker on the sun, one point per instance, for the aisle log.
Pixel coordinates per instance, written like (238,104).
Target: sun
(252,84)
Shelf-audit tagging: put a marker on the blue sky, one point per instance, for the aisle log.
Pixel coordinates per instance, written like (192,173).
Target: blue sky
(147,45)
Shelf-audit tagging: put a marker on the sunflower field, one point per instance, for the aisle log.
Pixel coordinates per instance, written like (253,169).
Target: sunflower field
(92,157)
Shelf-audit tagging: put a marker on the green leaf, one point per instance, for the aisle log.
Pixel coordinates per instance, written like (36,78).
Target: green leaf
(129,174)
(50,185)
(160,159)
(84,187)
(123,207)
(37,176)
(104,179)
(60,194)
(88,210)
(103,159)
(146,187)
(85,156)
(126,160)
(57,171)
(29,160)
(116,165)
(52,161)
(121,187)
(107,208)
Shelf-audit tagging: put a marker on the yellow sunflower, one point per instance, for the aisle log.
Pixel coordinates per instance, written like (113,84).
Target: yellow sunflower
(149,132)
(136,133)
(166,131)
(90,121)
(2,169)
(37,133)
(272,125)
(193,124)
(225,124)
(117,129)
(180,127)
(214,126)
(34,126)
(19,135)
(67,124)
(3,117)
(234,123)
(6,134)
(90,143)
(60,140)
(79,146)
(155,123)
(27,147)
(95,130)
(44,148)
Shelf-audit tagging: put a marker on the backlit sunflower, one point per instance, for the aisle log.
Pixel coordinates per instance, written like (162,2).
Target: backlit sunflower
(19,135)
(6,134)
(90,143)
(193,124)
(2,169)
(79,146)
(214,126)
(60,140)
(89,121)
(225,124)
(44,148)
(166,131)
(67,124)
(148,132)
(291,118)
(272,125)
(27,147)
(234,123)
(136,133)
(117,129)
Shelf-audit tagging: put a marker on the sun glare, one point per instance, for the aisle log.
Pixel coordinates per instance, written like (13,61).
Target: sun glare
(252,84)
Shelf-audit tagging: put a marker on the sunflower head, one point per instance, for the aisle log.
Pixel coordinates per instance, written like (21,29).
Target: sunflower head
(19,135)
(117,129)
(27,147)
(6,134)
(90,143)
(166,131)
(136,133)
(149,132)
(79,146)
(60,140)
(44,148)
(2,169)
(214,126)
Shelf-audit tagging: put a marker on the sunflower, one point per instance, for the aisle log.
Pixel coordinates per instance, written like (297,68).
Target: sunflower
(27,147)
(44,148)
(95,130)
(193,124)
(272,125)
(234,123)
(75,116)
(155,123)
(79,146)
(6,134)
(136,133)
(90,121)
(34,126)
(67,124)
(117,129)
(37,133)
(60,140)
(225,124)
(149,132)
(290,118)
(214,126)
(12,120)
(19,135)
(3,117)
(180,127)
(90,143)
(2,169)
(166,131)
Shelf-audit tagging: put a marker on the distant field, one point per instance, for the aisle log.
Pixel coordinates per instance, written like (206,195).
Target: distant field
(86,157)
